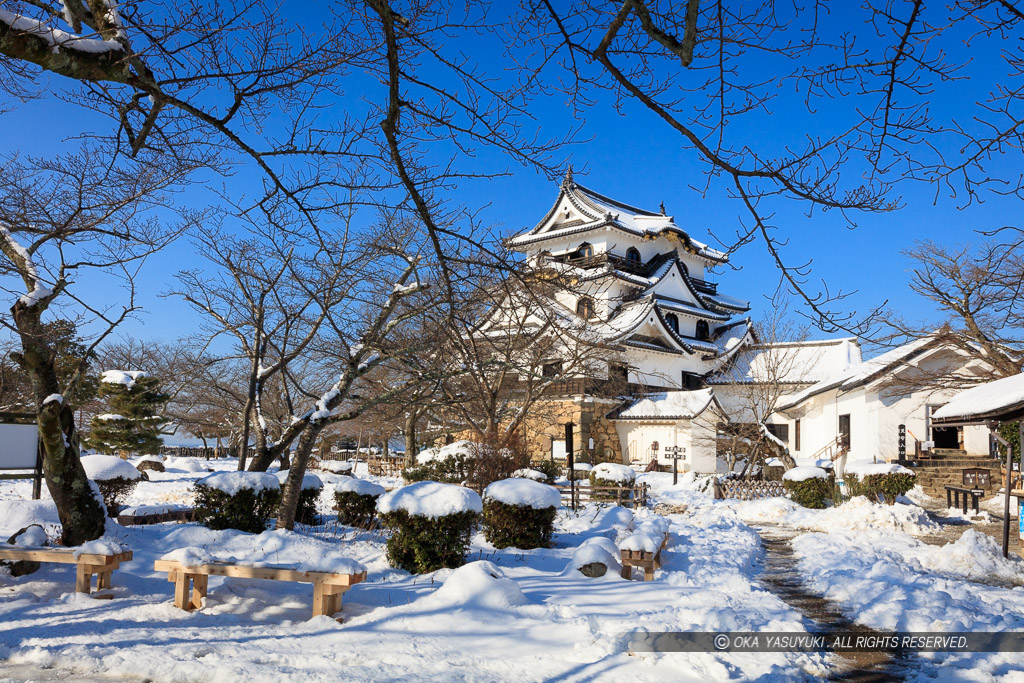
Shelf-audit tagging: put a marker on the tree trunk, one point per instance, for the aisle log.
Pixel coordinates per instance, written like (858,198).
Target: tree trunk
(410,439)
(293,485)
(81,514)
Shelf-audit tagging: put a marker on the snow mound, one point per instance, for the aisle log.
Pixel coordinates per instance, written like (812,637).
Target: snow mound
(974,555)
(359,486)
(478,585)
(185,465)
(125,377)
(233,482)
(524,492)
(597,549)
(856,514)
(466,449)
(865,469)
(527,473)
(101,546)
(582,466)
(34,536)
(336,466)
(804,473)
(640,542)
(430,499)
(309,481)
(610,471)
(189,556)
(105,467)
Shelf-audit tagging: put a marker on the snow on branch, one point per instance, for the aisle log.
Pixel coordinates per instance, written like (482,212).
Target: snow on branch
(56,38)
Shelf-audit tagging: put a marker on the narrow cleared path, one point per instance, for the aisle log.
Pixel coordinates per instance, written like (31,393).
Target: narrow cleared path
(821,616)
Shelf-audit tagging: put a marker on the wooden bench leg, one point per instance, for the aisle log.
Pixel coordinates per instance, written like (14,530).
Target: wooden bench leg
(103,580)
(627,571)
(83,578)
(949,498)
(199,583)
(327,599)
(649,573)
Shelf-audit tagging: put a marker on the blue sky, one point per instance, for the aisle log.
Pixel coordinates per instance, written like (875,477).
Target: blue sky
(632,156)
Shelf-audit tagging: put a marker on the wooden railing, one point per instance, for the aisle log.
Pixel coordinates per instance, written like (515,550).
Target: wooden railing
(833,450)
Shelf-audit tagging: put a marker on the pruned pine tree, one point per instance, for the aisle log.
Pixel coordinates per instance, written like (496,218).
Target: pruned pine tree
(135,422)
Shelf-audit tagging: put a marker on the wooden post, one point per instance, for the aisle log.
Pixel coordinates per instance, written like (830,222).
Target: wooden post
(1006,500)
(199,584)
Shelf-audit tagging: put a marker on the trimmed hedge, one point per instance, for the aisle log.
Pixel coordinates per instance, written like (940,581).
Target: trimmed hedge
(883,488)
(355,509)
(423,544)
(518,526)
(811,493)
(115,491)
(246,510)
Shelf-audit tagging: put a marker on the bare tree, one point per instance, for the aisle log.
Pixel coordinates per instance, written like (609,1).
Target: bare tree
(977,291)
(59,219)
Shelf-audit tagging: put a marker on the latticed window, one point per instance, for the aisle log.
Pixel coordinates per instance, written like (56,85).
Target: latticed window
(703,332)
(633,255)
(672,320)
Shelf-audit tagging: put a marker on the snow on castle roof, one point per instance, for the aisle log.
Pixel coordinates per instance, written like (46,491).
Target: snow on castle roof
(668,405)
(804,362)
(989,400)
(600,211)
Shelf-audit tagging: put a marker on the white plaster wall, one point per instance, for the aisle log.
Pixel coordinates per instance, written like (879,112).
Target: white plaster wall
(697,437)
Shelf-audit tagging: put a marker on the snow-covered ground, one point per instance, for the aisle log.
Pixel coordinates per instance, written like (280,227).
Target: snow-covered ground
(510,614)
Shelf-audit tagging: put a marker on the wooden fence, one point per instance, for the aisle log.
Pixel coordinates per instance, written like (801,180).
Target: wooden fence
(747,489)
(626,496)
(201,452)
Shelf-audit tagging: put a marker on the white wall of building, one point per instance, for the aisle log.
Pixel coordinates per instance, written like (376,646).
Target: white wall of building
(697,436)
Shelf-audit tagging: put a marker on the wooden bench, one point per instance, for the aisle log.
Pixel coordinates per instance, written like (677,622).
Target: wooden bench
(641,560)
(953,493)
(190,582)
(88,564)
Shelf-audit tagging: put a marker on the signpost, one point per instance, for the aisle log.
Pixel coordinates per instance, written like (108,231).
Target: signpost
(21,449)
(570,465)
(676,453)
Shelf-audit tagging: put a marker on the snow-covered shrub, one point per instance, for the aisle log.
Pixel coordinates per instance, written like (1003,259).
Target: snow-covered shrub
(520,513)
(336,466)
(237,500)
(150,464)
(533,475)
(612,474)
(551,469)
(309,496)
(595,557)
(808,486)
(464,461)
(879,482)
(355,501)
(581,470)
(115,477)
(431,524)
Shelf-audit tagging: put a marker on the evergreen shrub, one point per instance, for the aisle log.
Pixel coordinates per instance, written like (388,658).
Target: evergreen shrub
(244,508)
(422,544)
(518,526)
(811,493)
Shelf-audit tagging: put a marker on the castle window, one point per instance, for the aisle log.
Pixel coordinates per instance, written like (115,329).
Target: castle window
(618,372)
(585,308)
(633,255)
(703,332)
(672,320)
(585,250)
(551,369)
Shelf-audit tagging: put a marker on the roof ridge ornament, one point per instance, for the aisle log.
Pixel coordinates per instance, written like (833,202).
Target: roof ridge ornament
(662,207)
(567,181)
